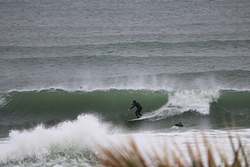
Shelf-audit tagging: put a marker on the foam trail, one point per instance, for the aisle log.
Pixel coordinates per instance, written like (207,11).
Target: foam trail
(81,133)
(185,100)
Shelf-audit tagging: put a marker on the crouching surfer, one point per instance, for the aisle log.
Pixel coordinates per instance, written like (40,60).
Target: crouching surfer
(138,107)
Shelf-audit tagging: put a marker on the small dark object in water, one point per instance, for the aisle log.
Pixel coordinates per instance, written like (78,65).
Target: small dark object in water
(179,124)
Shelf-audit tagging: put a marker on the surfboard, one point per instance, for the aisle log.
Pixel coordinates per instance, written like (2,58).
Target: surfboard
(136,119)
(132,120)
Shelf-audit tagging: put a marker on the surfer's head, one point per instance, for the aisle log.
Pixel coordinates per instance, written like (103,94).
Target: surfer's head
(134,101)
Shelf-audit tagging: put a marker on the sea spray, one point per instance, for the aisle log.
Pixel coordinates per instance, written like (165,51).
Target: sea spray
(2,101)
(184,101)
(196,100)
(38,142)
(74,142)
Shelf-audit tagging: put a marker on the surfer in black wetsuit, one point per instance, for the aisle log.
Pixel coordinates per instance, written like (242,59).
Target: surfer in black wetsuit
(138,108)
(180,124)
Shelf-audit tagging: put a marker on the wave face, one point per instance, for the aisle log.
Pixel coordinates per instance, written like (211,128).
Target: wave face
(160,108)
(57,105)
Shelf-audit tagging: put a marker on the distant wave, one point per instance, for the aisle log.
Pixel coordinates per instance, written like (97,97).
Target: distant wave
(116,49)
(140,43)
(168,81)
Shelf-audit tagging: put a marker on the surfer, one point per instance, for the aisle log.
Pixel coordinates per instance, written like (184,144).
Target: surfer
(180,124)
(138,108)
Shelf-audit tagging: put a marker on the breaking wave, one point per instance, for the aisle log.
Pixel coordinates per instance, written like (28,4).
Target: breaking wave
(28,108)
(34,145)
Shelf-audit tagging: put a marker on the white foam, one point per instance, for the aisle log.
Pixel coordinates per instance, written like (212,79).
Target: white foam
(185,100)
(197,100)
(83,132)
(219,140)
(87,131)
(2,101)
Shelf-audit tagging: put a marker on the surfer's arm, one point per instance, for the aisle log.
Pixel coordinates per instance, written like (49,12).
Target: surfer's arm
(131,107)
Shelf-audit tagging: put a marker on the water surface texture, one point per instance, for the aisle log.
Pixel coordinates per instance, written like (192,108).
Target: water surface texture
(69,64)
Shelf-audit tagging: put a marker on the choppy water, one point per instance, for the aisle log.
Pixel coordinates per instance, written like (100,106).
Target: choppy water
(182,60)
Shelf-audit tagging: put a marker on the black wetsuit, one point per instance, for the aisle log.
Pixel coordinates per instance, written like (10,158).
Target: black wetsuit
(180,124)
(138,109)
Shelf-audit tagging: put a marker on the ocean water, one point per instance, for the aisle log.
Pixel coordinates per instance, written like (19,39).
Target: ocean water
(70,69)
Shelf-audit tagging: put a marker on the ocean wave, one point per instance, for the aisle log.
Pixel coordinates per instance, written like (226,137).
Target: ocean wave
(79,135)
(73,142)
(137,43)
(168,81)
(53,106)
(28,107)
(142,49)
